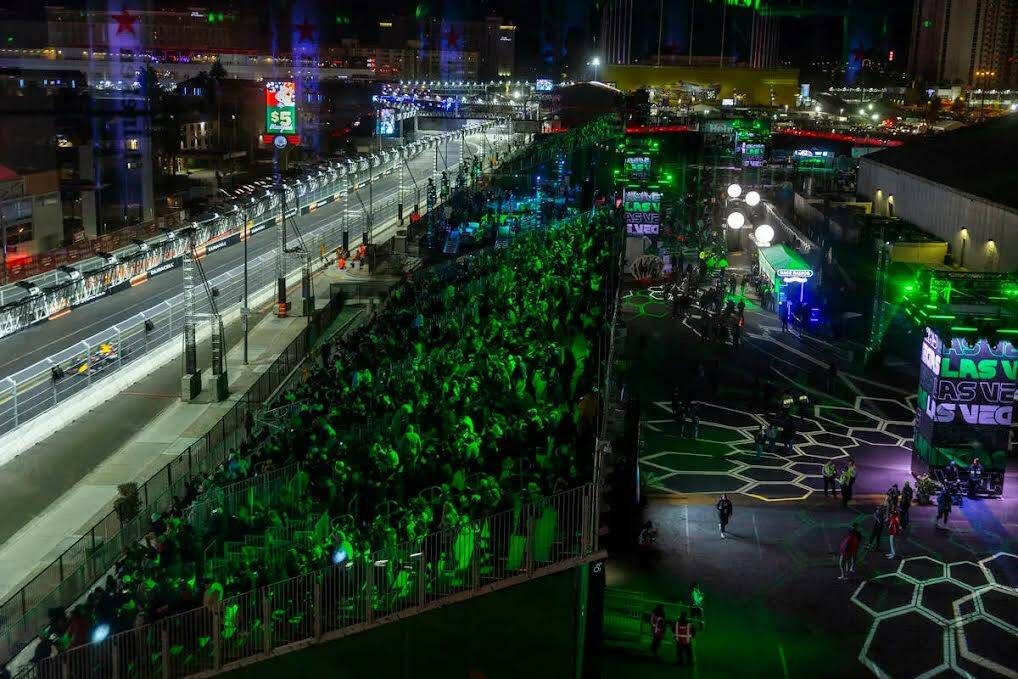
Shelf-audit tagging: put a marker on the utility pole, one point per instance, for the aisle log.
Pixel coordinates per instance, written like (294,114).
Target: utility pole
(244,311)
(191,382)
(281,256)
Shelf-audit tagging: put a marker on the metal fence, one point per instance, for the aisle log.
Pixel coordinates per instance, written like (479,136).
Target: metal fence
(25,612)
(346,597)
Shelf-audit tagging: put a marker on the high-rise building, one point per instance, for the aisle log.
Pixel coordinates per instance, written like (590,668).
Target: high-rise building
(617,31)
(965,42)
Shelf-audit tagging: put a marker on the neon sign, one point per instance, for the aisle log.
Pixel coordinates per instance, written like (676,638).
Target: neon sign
(638,167)
(966,398)
(794,275)
(643,212)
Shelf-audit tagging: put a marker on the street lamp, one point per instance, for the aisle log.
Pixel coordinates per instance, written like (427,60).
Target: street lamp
(736,220)
(595,62)
(764,234)
(752,199)
(734,191)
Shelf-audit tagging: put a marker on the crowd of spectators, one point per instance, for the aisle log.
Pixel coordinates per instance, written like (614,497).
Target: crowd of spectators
(471,390)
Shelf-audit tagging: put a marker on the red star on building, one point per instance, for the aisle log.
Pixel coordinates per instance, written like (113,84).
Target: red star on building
(125,21)
(452,37)
(306,31)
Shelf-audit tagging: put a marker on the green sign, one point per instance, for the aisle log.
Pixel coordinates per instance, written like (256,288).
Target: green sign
(281,107)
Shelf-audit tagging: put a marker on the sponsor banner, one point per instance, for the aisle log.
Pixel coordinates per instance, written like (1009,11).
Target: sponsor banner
(261,227)
(223,243)
(122,285)
(165,266)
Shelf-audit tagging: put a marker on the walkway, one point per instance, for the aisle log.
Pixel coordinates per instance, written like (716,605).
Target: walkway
(948,605)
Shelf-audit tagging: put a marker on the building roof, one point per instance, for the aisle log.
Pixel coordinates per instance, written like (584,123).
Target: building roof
(783,257)
(980,159)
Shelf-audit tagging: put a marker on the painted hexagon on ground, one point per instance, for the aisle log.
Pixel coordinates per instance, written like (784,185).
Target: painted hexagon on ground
(886,409)
(718,434)
(939,597)
(702,483)
(726,416)
(809,426)
(1002,568)
(885,594)
(983,643)
(655,309)
(777,491)
(846,416)
(1001,603)
(762,461)
(836,440)
(967,573)
(768,474)
(835,455)
(877,438)
(807,468)
(814,482)
(882,652)
(922,568)
(905,431)
(691,462)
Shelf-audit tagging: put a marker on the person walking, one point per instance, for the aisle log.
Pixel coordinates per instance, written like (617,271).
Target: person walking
(879,521)
(845,481)
(943,508)
(830,473)
(694,420)
(724,508)
(657,628)
(759,437)
(905,504)
(832,376)
(893,494)
(846,553)
(893,528)
(772,438)
(783,313)
(684,640)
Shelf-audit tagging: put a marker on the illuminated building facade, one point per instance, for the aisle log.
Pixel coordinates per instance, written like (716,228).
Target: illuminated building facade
(965,42)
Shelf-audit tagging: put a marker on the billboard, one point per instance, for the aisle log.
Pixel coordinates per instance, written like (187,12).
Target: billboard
(966,400)
(543,85)
(638,168)
(281,107)
(643,213)
(385,124)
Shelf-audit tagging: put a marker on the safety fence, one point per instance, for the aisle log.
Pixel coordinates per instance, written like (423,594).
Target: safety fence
(25,612)
(354,594)
(225,500)
(627,613)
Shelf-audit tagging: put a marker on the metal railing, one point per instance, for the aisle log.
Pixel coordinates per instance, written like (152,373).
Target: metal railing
(457,562)
(25,612)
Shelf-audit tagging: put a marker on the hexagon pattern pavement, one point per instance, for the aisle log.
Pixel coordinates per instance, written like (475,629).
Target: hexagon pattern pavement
(960,609)
(724,446)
